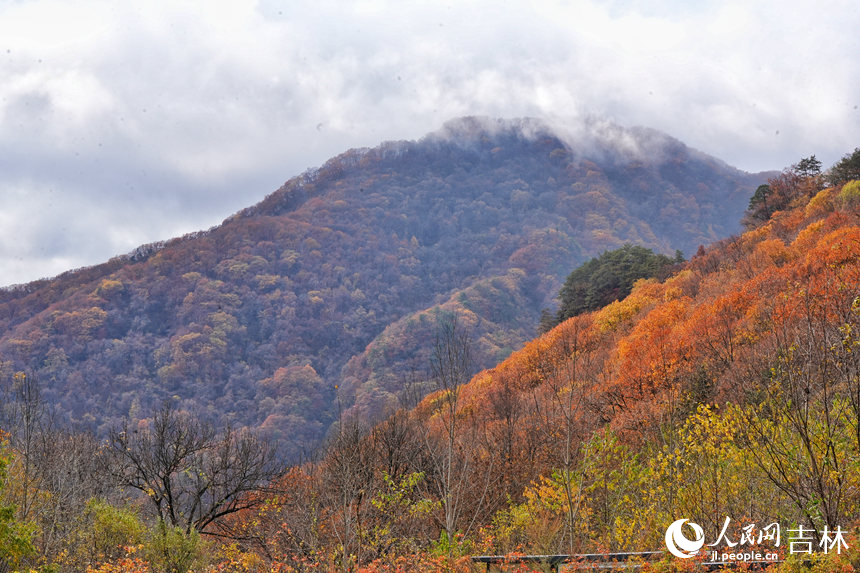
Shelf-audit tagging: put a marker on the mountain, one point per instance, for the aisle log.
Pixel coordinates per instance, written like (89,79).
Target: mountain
(726,393)
(323,296)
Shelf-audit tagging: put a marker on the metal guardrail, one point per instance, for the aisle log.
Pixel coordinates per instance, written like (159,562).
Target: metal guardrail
(595,561)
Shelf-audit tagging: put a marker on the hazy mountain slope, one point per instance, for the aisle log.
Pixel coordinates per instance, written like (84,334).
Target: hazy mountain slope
(766,321)
(499,313)
(727,389)
(254,320)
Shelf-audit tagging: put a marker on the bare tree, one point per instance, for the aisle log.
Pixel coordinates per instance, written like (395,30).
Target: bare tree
(347,479)
(451,366)
(565,368)
(395,444)
(58,470)
(803,377)
(505,406)
(192,475)
(24,412)
(67,468)
(453,475)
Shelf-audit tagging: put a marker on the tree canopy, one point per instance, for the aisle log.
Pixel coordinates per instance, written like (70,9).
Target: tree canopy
(845,169)
(608,278)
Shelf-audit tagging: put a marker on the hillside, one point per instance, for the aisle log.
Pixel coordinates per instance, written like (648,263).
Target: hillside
(726,394)
(255,322)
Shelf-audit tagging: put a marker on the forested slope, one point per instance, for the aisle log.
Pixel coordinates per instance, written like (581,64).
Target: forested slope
(253,321)
(726,394)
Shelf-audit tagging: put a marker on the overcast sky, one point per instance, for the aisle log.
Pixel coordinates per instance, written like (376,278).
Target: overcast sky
(123,123)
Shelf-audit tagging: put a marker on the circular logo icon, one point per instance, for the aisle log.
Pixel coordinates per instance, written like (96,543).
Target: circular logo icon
(679,545)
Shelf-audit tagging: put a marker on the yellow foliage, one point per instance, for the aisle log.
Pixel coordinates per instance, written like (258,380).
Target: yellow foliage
(808,236)
(232,559)
(109,287)
(773,251)
(820,204)
(644,293)
(80,323)
(850,194)
(754,236)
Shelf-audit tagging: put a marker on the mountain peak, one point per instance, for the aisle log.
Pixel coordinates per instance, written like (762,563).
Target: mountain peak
(254,321)
(476,128)
(588,137)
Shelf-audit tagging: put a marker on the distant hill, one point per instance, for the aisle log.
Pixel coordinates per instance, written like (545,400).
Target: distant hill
(729,388)
(336,279)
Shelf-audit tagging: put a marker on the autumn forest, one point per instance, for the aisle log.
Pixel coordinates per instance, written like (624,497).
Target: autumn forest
(487,342)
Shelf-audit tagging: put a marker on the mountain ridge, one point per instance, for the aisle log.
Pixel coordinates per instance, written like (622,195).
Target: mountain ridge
(451,129)
(253,321)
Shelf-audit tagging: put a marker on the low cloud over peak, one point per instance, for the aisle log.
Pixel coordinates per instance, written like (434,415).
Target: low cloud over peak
(122,124)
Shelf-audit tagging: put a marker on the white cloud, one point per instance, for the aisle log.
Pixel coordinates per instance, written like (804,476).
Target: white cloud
(192,111)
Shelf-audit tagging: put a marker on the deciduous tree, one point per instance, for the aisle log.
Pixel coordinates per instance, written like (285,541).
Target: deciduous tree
(192,475)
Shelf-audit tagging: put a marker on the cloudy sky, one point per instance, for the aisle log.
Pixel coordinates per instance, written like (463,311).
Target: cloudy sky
(123,123)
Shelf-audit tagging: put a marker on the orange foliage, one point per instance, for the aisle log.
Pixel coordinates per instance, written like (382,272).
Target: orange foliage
(638,366)
(680,340)
(131,563)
